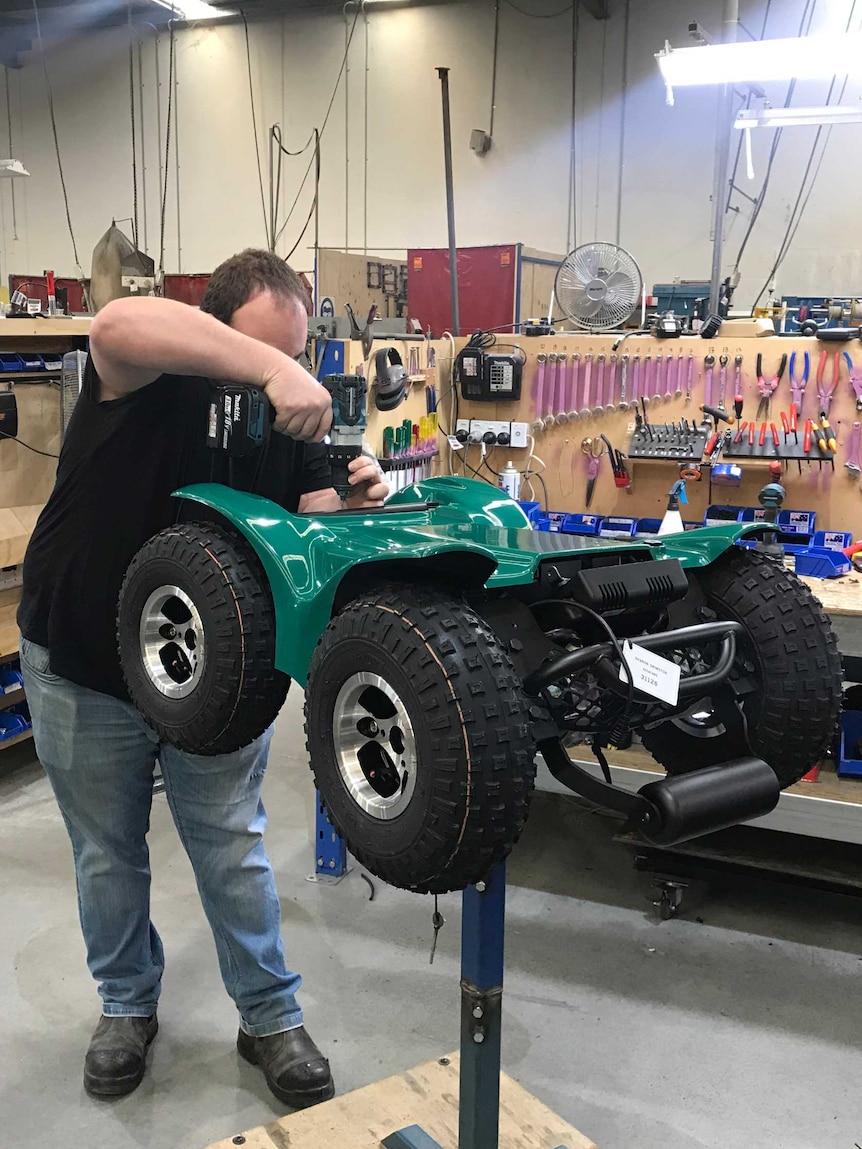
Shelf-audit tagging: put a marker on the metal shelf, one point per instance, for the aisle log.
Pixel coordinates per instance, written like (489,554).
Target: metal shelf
(24,736)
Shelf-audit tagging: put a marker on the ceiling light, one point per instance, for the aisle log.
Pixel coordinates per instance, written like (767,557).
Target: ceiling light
(797,117)
(194,9)
(762,61)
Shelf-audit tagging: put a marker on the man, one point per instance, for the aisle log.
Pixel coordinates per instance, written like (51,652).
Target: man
(138,432)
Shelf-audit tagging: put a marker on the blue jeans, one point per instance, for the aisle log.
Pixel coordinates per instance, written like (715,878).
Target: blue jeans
(99,756)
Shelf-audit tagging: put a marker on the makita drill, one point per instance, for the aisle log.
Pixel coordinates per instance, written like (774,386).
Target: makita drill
(349,422)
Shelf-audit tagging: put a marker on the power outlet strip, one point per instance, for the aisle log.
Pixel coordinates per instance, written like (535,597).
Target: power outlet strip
(517,433)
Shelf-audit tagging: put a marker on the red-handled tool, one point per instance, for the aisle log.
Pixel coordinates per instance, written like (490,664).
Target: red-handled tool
(806,437)
(737,438)
(793,421)
(762,439)
(751,428)
(738,397)
(710,446)
(785,425)
(774,431)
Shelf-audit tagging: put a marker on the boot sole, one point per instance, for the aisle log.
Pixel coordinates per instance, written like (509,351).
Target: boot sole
(118,1086)
(296,1100)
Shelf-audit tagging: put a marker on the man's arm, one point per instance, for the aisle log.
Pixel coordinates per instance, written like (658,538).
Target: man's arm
(134,341)
(371,487)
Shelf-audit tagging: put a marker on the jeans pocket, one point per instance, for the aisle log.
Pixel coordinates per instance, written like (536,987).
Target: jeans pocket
(36,659)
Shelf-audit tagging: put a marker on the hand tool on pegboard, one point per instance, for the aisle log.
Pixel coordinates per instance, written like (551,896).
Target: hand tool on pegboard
(611,385)
(855,380)
(364,334)
(677,376)
(669,377)
(624,379)
(550,391)
(598,409)
(852,461)
(767,387)
(561,412)
(659,377)
(689,378)
(622,478)
(593,449)
(572,389)
(539,393)
(738,396)
(635,379)
(722,380)
(825,391)
(586,409)
(709,367)
(798,386)
(650,388)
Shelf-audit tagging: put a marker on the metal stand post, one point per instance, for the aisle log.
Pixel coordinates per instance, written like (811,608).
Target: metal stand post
(482,942)
(330,853)
(443,73)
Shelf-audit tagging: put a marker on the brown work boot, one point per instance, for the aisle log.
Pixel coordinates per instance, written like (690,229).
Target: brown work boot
(295,1069)
(117,1056)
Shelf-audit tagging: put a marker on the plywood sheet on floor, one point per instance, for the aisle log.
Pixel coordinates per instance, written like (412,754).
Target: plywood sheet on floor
(426,1096)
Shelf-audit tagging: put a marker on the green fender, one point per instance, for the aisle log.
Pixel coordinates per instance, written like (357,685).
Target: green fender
(474,535)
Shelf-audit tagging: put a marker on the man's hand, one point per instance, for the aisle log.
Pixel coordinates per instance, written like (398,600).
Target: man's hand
(369,486)
(303,408)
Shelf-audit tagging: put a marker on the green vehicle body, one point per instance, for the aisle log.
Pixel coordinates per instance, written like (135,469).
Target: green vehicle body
(476,533)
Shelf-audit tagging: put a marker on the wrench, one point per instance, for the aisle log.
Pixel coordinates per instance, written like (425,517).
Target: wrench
(611,387)
(852,463)
(689,380)
(551,391)
(636,380)
(539,394)
(624,379)
(600,377)
(709,364)
(669,377)
(654,377)
(562,376)
(678,389)
(722,380)
(572,400)
(586,410)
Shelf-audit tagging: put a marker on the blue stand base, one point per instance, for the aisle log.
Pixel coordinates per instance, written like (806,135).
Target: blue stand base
(482,943)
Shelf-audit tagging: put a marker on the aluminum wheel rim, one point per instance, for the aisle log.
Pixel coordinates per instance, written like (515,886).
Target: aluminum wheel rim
(375,746)
(172,642)
(700,720)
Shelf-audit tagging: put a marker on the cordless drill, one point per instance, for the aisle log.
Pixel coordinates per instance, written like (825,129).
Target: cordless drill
(349,421)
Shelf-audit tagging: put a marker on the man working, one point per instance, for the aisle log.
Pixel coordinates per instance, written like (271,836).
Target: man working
(137,433)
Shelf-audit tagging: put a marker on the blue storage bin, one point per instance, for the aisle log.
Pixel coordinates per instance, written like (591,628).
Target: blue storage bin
(650,527)
(11,363)
(541,523)
(722,513)
(32,363)
(531,509)
(819,562)
(851,733)
(618,528)
(582,524)
(832,540)
(52,363)
(11,725)
(556,520)
(10,680)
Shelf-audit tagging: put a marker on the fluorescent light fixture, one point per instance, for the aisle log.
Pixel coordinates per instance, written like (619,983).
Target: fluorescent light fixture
(194,9)
(797,117)
(11,168)
(762,61)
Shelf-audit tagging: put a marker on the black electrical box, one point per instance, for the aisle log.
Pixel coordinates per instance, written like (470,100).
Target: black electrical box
(8,415)
(237,420)
(490,377)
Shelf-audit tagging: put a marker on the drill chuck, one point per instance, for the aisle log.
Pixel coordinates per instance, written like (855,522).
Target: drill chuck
(349,422)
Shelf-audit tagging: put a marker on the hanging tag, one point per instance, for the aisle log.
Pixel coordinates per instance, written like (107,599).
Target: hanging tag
(652,674)
(454,444)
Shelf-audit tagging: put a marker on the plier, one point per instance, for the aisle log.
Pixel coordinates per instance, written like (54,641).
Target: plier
(824,393)
(797,386)
(617,458)
(855,380)
(767,388)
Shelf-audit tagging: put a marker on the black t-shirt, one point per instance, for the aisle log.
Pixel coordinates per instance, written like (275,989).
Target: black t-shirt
(120,461)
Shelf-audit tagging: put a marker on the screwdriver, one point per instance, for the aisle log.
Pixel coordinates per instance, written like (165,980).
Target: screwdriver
(751,433)
(738,397)
(762,438)
(793,421)
(830,434)
(737,438)
(774,432)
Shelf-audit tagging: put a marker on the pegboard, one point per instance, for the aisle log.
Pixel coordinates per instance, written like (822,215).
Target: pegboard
(835,495)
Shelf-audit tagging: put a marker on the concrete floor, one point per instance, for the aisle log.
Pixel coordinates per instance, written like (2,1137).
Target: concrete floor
(741,1031)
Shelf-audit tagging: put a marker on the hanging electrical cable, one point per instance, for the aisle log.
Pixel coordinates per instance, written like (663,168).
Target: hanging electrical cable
(164,188)
(804,27)
(134,134)
(11,153)
(53,117)
(572,235)
(806,188)
(266,221)
(317,137)
(315,202)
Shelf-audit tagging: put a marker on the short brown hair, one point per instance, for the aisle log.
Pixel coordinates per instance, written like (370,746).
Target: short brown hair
(240,278)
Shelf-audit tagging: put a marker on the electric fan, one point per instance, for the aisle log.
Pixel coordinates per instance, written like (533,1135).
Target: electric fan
(598,286)
(70,385)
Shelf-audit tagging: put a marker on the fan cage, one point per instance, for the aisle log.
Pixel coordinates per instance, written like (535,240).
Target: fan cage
(598,286)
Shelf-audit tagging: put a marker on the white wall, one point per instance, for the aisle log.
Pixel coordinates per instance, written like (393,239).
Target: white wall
(519,192)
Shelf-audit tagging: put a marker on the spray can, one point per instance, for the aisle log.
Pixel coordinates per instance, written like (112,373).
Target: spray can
(510,481)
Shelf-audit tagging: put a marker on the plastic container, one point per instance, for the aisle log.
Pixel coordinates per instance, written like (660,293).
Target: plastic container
(649,527)
(532,510)
(556,520)
(11,725)
(10,680)
(820,562)
(510,480)
(32,363)
(11,363)
(726,475)
(582,524)
(832,540)
(618,528)
(722,513)
(52,363)
(851,734)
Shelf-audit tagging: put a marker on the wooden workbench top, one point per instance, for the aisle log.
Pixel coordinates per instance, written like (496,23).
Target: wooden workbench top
(839,596)
(52,328)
